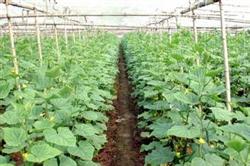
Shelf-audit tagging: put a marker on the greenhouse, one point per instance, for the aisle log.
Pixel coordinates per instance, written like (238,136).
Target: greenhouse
(124,83)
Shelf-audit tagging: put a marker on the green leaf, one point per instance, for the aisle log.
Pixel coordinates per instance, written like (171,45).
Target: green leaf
(157,105)
(85,150)
(43,124)
(238,129)
(87,163)
(188,98)
(66,161)
(54,72)
(160,129)
(7,165)
(184,131)
(222,114)
(11,149)
(50,162)
(4,159)
(159,156)
(63,136)
(14,136)
(214,160)
(11,117)
(4,89)
(197,161)
(41,152)
(93,116)
(151,146)
(236,144)
(86,130)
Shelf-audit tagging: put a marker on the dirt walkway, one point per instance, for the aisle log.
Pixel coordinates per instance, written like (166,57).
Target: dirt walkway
(123,147)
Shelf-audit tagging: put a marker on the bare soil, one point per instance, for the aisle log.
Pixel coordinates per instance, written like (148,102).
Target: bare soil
(123,147)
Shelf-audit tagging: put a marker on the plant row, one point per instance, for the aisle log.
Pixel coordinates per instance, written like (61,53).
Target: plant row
(184,119)
(58,116)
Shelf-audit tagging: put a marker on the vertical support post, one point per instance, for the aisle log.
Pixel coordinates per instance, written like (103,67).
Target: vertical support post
(13,49)
(169,31)
(65,33)
(195,35)
(73,33)
(57,44)
(38,39)
(79,29)
(176,23)
(226,60)
(79,33)
(195,27)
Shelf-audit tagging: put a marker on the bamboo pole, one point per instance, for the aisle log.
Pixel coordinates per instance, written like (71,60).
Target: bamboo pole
(195,36)
(73,34)
(169,32)
(57,44)
(13,49)
(65,35)
(79,29)
(226,60)
(38,40)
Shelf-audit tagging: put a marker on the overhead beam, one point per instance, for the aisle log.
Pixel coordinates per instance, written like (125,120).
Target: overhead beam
(196,6)
(199,5)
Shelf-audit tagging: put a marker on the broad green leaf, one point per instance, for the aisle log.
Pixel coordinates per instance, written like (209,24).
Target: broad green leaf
(159,156)
(11,149)
(41,152)
(98,140)
(236,144)
(11,117)
(222,114)
(197,161)
(85,150)
(54,72)
(238,129)
(14,136)
(86,130)
(188,98)
(214,160)
(151,146)
(4,159)
(4,89)
(160,129)
(94,116)
(43,124)
(66,161)
(184,131)
(50,162)
(157,105)
(65,91)
(63,136)
(87,163)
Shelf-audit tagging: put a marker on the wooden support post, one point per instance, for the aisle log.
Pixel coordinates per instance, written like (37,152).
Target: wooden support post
(169,31)
(73,34)
(195,35)
(79,33)
(13,49)
(195,28)
(38,40)
(79,29)
(57,44)
(65,34)
(226,60)
(176,22)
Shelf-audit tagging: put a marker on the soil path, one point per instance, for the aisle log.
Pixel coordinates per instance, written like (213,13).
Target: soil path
(123,147)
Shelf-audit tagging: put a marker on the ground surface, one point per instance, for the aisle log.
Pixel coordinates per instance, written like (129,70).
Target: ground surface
(123,147)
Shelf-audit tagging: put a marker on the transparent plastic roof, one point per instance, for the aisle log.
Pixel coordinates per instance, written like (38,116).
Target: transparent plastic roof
(236,10)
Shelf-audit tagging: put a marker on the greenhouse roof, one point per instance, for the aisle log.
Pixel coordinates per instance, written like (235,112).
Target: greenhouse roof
(131,14)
